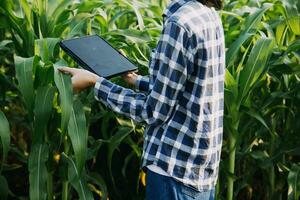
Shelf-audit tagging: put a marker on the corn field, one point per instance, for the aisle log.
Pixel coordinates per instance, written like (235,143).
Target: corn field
(60,145)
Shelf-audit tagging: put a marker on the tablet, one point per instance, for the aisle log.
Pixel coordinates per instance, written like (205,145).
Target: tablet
(95,54)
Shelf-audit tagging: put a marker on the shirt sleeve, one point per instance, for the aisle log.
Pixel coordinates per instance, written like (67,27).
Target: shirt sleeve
(142,83)
(155,107)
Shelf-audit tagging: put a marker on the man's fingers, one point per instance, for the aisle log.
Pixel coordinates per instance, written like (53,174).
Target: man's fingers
(67,70)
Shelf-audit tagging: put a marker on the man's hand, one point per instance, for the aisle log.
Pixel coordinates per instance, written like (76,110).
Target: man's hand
(81,79)
(130,77)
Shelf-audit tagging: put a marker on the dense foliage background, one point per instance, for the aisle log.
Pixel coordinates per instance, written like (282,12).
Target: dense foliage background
(56,145)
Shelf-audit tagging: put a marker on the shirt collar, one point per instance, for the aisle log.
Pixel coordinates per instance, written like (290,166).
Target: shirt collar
(173,7)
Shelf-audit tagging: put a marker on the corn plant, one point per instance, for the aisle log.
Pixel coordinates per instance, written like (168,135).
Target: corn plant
(47,94)
(69,146)
(247,68)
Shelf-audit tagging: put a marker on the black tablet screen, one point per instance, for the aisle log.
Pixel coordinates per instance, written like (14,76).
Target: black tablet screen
(95,54)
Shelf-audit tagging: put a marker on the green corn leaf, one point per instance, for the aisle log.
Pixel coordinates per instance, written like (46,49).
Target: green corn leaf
(259,118)
(38,172)
(42,112)
(4,189)
(138,14)
(99,180)
(115,141)
(27,11)
(294,183)
(251,25)
(231,92)
(76,180)
(294,46)
(280,31)
(132,35)
(292,15)
(255,65)
(45,48)
(64,85)
(88,6)
(24,74)
(43,75)
(55,9)
(235,47)
(118,15)
(134,5)
(5,136)
(253,20)
(4,43)
(78,134)
(76,30)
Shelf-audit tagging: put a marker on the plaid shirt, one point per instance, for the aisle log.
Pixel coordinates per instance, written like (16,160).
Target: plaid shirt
(181,102)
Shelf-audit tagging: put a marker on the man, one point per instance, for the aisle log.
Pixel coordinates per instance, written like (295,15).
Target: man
(181,102)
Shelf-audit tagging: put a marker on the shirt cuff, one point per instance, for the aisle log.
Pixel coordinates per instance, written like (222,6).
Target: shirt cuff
(102,89)
(142,83)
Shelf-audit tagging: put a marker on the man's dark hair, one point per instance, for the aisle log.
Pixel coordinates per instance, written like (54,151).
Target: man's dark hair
(212,3)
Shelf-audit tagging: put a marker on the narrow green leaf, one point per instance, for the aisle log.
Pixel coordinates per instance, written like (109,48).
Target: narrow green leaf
(78,134)
(99,180)
(135,36)
(231,92)
(4,189)
(115,141)
(88,6)
(27,11)
(258,117)
(5,136)
(45,48)
(135,6)
(4,43)
(251,25)
(24,75)
(280,30)
(76,180)
(292,15)
(294,183)
(64,85)
(256,64)
(38,172)
(42,112)
(235,47)
(254,19)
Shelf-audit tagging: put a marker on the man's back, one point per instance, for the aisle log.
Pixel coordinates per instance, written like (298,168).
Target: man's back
(187,145)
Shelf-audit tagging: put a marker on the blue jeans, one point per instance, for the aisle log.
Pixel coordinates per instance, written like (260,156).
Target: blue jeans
(166,188)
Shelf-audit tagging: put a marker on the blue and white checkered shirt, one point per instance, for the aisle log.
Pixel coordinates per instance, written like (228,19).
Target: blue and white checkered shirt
(181,102)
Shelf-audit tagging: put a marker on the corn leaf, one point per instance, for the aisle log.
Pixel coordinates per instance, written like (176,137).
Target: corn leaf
(114,143)
(64,85)
(99,180)
(292,15)
(78,134)
(4,189)
(251,25)
(45,48)
(255,65)
(253,20)
(294,182)
(27,11)
(38,172)
(235,47)
(24,74)
(132,35)
(5,136)
(42,112)
(76,180)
